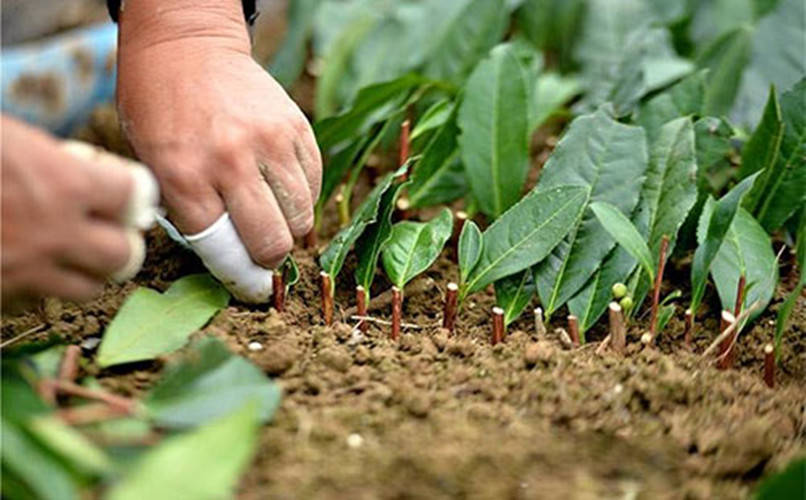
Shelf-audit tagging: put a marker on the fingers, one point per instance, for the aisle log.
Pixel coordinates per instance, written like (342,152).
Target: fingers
(290,188)
(66,283)
(101,249)
(310,158)
(259,220)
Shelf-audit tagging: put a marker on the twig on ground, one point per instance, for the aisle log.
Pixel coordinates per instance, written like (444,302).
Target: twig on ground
(603,345)
(21,336)
(565,339)
(729,331)
(378,321)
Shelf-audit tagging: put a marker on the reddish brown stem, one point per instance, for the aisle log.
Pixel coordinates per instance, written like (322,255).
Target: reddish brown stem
(737,309)
(498,325)
(91,413)
(769,365)
(397,311)
(459,221)
(73,389)
(540,327)
(726,351)
(449,313)
(361,306)
(311,239)
(405,134)
(573,329)
(326,289)
(618,332)
(278,285)
(664,247)
(68,371)
(689,333)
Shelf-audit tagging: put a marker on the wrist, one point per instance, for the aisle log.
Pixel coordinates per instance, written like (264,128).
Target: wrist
(145,24)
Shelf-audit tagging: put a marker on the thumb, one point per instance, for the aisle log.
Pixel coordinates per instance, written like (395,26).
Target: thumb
(225,256)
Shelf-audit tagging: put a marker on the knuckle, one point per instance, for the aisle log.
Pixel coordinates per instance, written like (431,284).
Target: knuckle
(271,252)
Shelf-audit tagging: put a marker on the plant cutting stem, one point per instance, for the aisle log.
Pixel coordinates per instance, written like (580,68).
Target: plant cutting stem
(498,325)
(726,353)
(618,332)
(326,290)
(729,331)
(417,287)
(68,370)
(689,333)
(769,366)
(73,389)
(737,309)
(449,313)
(653,326)
(540,327)
(397,311)
(91,413)
(405,141)
(343,204)
(573,329)
(311,239)
(278,286)
(361,299)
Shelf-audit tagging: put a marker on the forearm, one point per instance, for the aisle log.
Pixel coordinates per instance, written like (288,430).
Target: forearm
(145,24)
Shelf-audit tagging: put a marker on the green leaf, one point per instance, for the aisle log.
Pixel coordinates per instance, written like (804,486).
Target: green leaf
(290,59)
(789,483)
(610,160)
(290,271)
(527,233)
(203,464)
(469,249)
(761,151)
(434,117)
(551,92)
(514,293)
(373,104)
(624,232)
(207,383)
(339,165)
(438,176)
(467,30)
(781,188)
(369,247)
(553,26)
(665,314)
(777,58)
(151,323)
(746,250)
(414,246)
(45,476)
(71,445)
(726,58)
(332,259)
(783,315)
(668,194)
(714,230)
(685,98)
(493,118)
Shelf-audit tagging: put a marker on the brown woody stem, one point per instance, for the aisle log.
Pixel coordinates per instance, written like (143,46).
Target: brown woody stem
(397,311)
(361,306)
(664,247)
(326,289)
(573,329)
(68,370)
(618,332)
(498,325)
(769,365)
(278,286)
(737,309)
(689,333)
(726,353)
(540,326)
(449,313)
(405,141)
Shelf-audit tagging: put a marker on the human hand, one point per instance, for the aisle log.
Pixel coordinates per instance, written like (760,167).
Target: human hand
(70,219)
(219,133)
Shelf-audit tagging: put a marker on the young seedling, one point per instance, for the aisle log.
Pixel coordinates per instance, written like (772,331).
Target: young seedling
(449,313)
(397,311)
(618,332)
(769,365)
(278,287)
(68,370)
(740,290)
(361,307)
(689,333)
(573,329)
(498,325)
(726,353)
(325,288)
(540,326)
(342,202)
(653,326)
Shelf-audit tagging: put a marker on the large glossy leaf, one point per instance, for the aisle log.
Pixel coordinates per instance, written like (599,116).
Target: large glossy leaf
(609,159)
(591,302)
(747,251)
(208,383)
(726,58)
(467,30)
(527,233)
(493,118)
(514,293)
(373,104)
(760,154)
(468,249)
(332,259)
(71,445)
(414,246)
(668,194)
(43,475)
(781,189)
(777,58)
(203,464)
(685,98)
(368,248)
(624,232)
(338,167)
(289,61)
(438,177)
(434,117)
(718,223)
(151,323)
(551,92)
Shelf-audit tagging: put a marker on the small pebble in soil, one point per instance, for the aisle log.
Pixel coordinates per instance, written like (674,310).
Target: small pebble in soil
(255,346)
(355,441)
(90,343)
